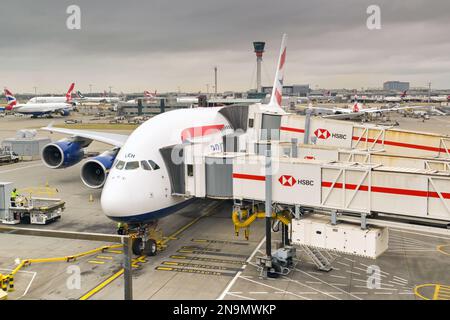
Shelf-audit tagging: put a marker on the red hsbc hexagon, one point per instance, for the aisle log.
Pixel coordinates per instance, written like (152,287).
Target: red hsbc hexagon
(287,181)
(322,133)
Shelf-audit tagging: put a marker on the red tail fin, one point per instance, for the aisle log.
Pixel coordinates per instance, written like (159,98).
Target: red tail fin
(69,92)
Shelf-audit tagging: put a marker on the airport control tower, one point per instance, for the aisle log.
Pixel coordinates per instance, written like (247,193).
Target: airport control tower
(259,50)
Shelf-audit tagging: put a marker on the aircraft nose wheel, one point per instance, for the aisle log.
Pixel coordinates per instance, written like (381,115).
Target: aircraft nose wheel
(149,248)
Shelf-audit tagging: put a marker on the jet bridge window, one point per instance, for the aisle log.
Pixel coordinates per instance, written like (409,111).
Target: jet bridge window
(153,165)
(132,165)
(120,165)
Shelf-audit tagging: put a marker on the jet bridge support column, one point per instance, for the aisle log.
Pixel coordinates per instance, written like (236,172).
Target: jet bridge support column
(268,194)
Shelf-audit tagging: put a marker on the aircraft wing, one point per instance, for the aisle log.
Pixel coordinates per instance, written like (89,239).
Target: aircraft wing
(117,140)
(338,116)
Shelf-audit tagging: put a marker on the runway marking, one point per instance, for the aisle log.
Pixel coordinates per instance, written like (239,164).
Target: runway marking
(352,272)
(21,168)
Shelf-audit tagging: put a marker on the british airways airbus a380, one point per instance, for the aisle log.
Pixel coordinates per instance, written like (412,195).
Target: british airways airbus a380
(134,174)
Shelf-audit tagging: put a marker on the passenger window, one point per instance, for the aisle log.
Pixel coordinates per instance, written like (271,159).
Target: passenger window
(120,165)
(145,165)
(132,165)
(153,165)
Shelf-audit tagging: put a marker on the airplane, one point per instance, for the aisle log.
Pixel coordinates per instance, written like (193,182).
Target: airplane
(37,109)
(66,98)
(148,97)
(355,111)
(136,173)
(396,98)
(102,99)
(440,99)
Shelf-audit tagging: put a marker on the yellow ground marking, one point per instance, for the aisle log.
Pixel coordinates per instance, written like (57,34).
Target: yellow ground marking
(96,262)
(114,251)
(105,257)
(142,258)
(445,249)
(441,292)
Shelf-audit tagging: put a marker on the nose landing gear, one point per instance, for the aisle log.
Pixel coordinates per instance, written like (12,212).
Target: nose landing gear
(146,238)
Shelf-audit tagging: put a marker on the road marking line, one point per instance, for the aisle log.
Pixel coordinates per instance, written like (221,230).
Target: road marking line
(344,264)
(231,283)
(96,262)
(275,288)
(335,276)
(21,168)
(239,296)
(339,289)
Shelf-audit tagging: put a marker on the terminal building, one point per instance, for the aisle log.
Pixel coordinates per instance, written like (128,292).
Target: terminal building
(298,90)
(396,86)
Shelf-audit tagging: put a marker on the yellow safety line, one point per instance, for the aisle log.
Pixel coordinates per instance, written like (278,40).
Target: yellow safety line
(114,251)
(102,285)
(96,262)
(437,294)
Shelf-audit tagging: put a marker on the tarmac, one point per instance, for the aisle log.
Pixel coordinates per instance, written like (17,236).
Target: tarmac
(203,258)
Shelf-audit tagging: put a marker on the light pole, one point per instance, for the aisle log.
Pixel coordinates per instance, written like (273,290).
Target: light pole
(35,91)
(90,89)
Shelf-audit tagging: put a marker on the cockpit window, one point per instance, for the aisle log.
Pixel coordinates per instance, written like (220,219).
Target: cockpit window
(153,165)
(145,165)
(132,165)
(120,165)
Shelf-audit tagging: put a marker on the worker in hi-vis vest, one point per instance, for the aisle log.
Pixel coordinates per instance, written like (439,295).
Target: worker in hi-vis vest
(14,195)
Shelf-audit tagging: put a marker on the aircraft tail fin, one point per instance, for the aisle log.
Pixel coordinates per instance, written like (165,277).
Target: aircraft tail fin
(69,92)
(79,94)
(12,101)
(277,90)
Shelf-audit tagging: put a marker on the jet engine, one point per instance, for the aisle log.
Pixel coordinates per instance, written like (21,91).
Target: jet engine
(64,112)
(64,153)
(95,171)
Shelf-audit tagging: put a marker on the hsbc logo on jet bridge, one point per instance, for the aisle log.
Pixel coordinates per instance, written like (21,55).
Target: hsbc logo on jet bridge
(325,134)
(290,181)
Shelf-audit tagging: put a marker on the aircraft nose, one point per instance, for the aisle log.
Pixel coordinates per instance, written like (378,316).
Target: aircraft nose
(121,200)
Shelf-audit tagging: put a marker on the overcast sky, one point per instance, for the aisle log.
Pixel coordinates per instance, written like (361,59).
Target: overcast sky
(169,44)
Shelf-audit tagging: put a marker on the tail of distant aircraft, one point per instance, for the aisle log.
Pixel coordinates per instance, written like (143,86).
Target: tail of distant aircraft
(404,94)
(356,107)
(69,92)
(12,101)
(148,94)
(277,90)
(80,95)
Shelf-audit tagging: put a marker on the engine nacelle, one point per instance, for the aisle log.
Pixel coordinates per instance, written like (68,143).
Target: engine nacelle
(95,171)
(64,112)
(63,153)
